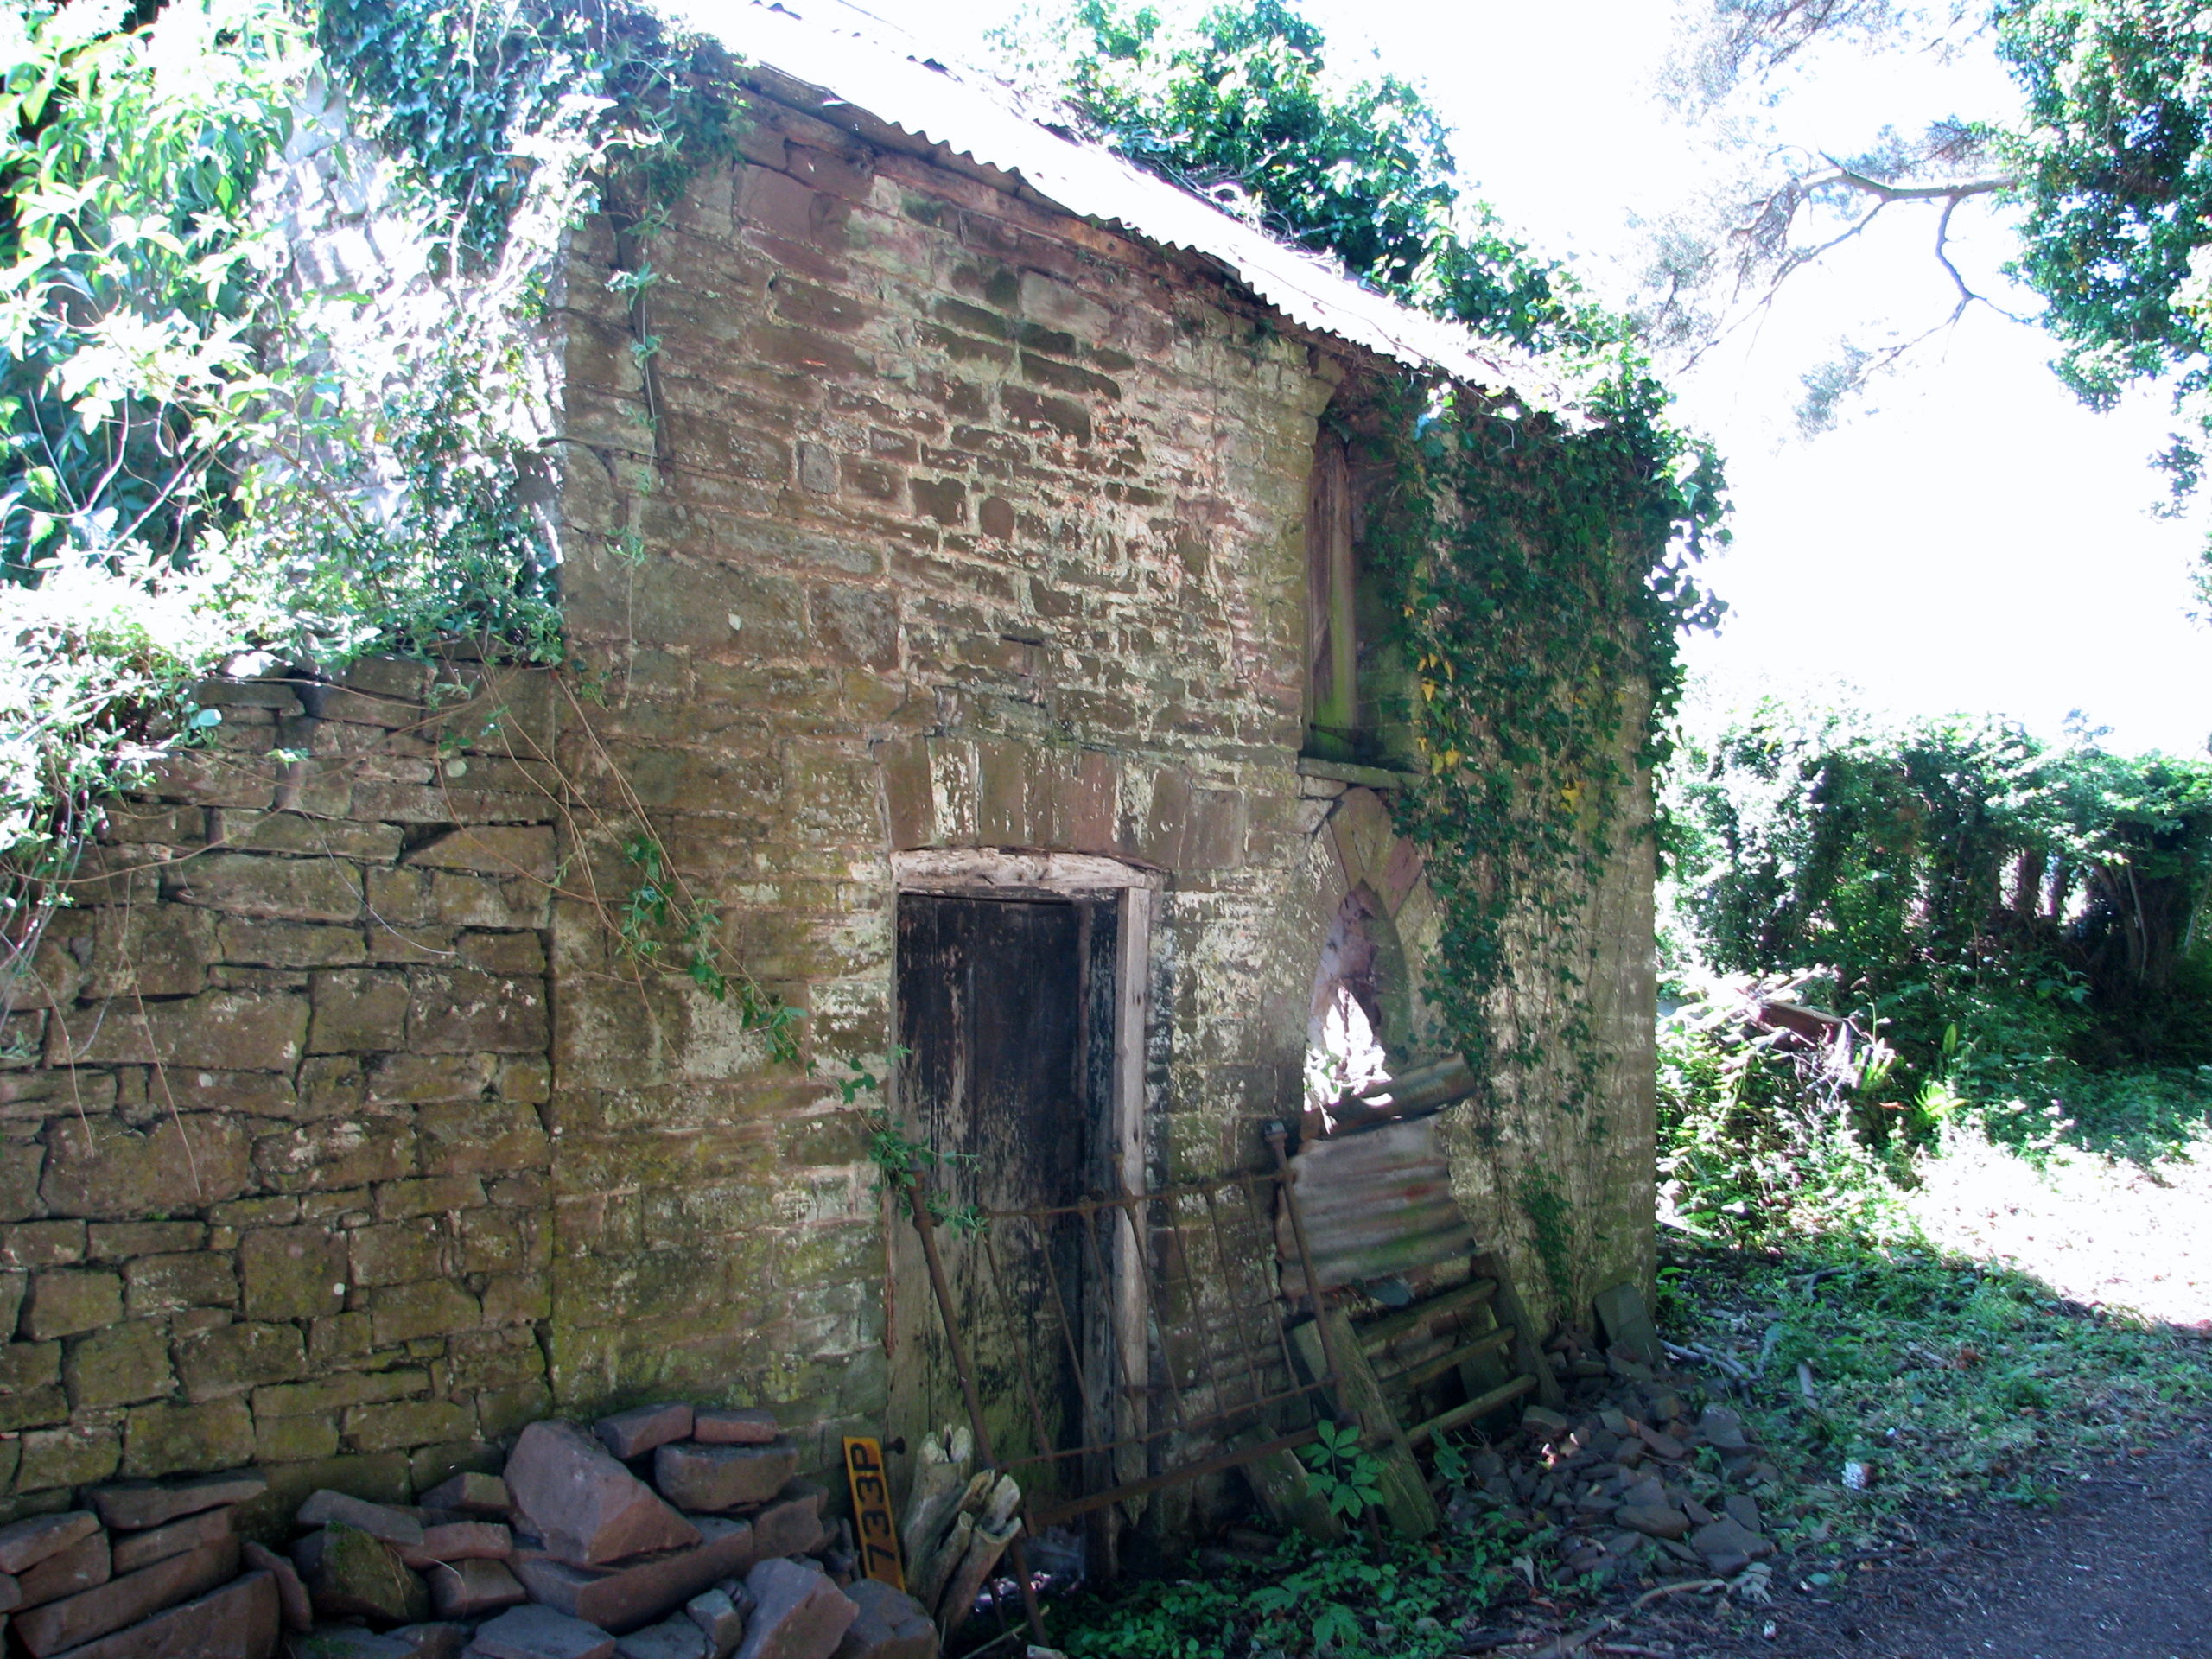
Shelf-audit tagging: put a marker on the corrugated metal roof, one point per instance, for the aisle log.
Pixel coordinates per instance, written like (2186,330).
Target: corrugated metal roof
(1373,1204)
(856,60)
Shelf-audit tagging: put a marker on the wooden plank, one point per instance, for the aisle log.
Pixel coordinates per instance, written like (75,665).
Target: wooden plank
(1429,1370)
(1445,1421)
(1380,1333)
(1406,1497)
(1527,1347)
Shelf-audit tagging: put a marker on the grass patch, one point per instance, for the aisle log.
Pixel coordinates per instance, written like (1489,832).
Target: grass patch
(1948,1379)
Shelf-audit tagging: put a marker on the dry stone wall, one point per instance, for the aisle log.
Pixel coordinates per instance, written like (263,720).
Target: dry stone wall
(276,1168)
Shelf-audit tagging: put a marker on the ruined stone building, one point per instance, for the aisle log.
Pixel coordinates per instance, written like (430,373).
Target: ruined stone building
(1003,541)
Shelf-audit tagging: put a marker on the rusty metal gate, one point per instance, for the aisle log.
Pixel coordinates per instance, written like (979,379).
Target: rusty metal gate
(1189,1370)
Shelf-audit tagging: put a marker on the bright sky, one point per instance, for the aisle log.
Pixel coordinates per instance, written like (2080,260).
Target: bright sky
(1970,539)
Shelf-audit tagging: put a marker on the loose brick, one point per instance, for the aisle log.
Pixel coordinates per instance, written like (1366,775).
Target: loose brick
(134,1505)
(133,1550)
(125,1600)
(25,1543)
(588,1508)
(238,1621)
(69,1571)
(633,1593)
(632,1434)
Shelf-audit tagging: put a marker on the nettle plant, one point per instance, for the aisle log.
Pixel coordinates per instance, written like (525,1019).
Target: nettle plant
(214,441)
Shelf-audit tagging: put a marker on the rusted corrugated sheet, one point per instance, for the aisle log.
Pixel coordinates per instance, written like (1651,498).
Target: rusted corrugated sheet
(853,61)
(1374,1203)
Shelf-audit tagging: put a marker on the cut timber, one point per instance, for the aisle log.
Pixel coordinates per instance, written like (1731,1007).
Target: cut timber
(1429,1370)
(1445,1421)
(1405,1494)
(1278,1480)
(1527,1347)
(1380,1333)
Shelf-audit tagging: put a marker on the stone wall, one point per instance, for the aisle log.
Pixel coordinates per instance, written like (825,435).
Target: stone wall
(275,1174)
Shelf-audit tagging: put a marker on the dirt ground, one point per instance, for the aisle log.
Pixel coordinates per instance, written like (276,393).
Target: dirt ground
(2121,1568)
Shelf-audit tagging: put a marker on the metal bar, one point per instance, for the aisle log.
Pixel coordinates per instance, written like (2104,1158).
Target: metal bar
(1391,1326)
(1278,1135)
(1212,1466)
(1429,1370)
(1445,1421)
(919,1207)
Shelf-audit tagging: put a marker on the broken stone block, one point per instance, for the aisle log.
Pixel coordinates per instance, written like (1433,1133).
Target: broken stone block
(797,1613)
(586,1507)
(793,1524)
(892,1625)
(77,1619)
(729,1425)
(25,1544)
(137,1549)
(672,1638)
(325,1508)
(1653,1520)
(472,1493)
(134,1505)
(634,1434)
(459,1541)
(1722,1429)
(1728,1545)
(711,1478)
(438,1641)
(720,1619)
(238,1621)
(636,1593)
(83,1564)
(541,1633)
(292,1600)
(1540,1419)
(473,1589)
(350,1574)
(1744,1510)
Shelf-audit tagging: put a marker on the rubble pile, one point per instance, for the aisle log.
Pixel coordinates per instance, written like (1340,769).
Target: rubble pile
(1619,1471)
(663,1533)
(149,1572)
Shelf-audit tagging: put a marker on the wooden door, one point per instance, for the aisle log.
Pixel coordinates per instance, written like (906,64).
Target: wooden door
(1005,1010)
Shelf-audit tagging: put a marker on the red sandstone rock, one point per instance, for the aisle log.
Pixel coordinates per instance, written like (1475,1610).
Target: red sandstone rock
(83,1564)
(541,1633)
(588,1508)
(798,1613)
(892,1625)
(473,1589)
(25,1544)
(459,1541)
(110,1606)
(394,1527)
(292,1602)
(238,1621)
(752,1426)
(133,1505)
(472,1493)
(793,1524)
(623,1598)
(718,1478)
(634,1434)
(137,1549)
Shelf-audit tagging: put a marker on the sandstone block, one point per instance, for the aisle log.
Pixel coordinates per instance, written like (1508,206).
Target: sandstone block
(133,1505)
(110,1606)
(797,1613)
(272,889)
(161,1439)
(637,1592)
(588,1508)
(891,1626)
(459,1541)
(25,1543)
(474,1588)
(169,1283)
(632,1434)
(432,1641)
(30,1385)
(135,1549)
(672,1638)
(350,1574)
(710,1478)
(357,1011)
(100,1170)
(232,1358)
(477,1494)
(293,1605)
(1728,1545)
(793,1524)
(486,849)
(542,1633)
(463,1012)
(66,1571)
(292,1273)
(238,1621)
(69,1454)
(724,1426)
(116,1366)
(325,1508)
(720,1619)
(1653,1520)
